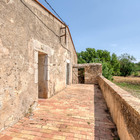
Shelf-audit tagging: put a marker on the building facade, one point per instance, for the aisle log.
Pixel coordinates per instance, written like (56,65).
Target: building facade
(36,57)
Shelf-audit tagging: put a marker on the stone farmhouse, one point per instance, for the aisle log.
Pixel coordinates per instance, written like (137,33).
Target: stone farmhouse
(37,60)
(36,57)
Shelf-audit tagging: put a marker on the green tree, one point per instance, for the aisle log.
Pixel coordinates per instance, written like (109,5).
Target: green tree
(127,65)
(115,64)
(107,70)
(99,56)
(112,65)
(81,60)
(137,66)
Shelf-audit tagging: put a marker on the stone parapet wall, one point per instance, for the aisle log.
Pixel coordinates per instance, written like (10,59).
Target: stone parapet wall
(91,72)
(75,76)
(124,108)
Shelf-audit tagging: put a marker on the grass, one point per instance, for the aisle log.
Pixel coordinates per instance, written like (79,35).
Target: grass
(130,84)
(130,80)
(138,73)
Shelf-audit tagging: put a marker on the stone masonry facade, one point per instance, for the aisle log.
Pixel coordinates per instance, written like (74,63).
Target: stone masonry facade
(30,44)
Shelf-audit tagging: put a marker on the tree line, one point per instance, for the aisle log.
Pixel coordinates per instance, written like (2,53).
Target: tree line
(112,65)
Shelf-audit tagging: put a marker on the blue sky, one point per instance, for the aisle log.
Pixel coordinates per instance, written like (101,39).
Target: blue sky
(112,25)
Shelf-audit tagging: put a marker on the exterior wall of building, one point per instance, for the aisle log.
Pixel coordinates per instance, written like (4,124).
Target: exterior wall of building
(27,30)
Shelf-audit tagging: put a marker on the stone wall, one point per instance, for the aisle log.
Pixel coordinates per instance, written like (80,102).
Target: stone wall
(124,108)
(26,30)
(75,76)
(91,72)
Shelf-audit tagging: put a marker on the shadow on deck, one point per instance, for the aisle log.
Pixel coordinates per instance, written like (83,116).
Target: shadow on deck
(77,113)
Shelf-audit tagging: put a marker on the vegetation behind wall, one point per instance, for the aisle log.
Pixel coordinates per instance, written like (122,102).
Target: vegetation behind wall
(112,65)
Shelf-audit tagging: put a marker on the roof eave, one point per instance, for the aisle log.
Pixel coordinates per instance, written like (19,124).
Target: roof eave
(58,20)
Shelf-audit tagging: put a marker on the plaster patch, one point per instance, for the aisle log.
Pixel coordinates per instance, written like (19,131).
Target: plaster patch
(68,61)
(3,50)
(9,1)
(31,71)
(0,104)
(11,20)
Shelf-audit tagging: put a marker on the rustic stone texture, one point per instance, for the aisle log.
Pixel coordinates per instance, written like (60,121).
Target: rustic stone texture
(26,29)
(124,108)
(75,76)
(77,113)
(92,71)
